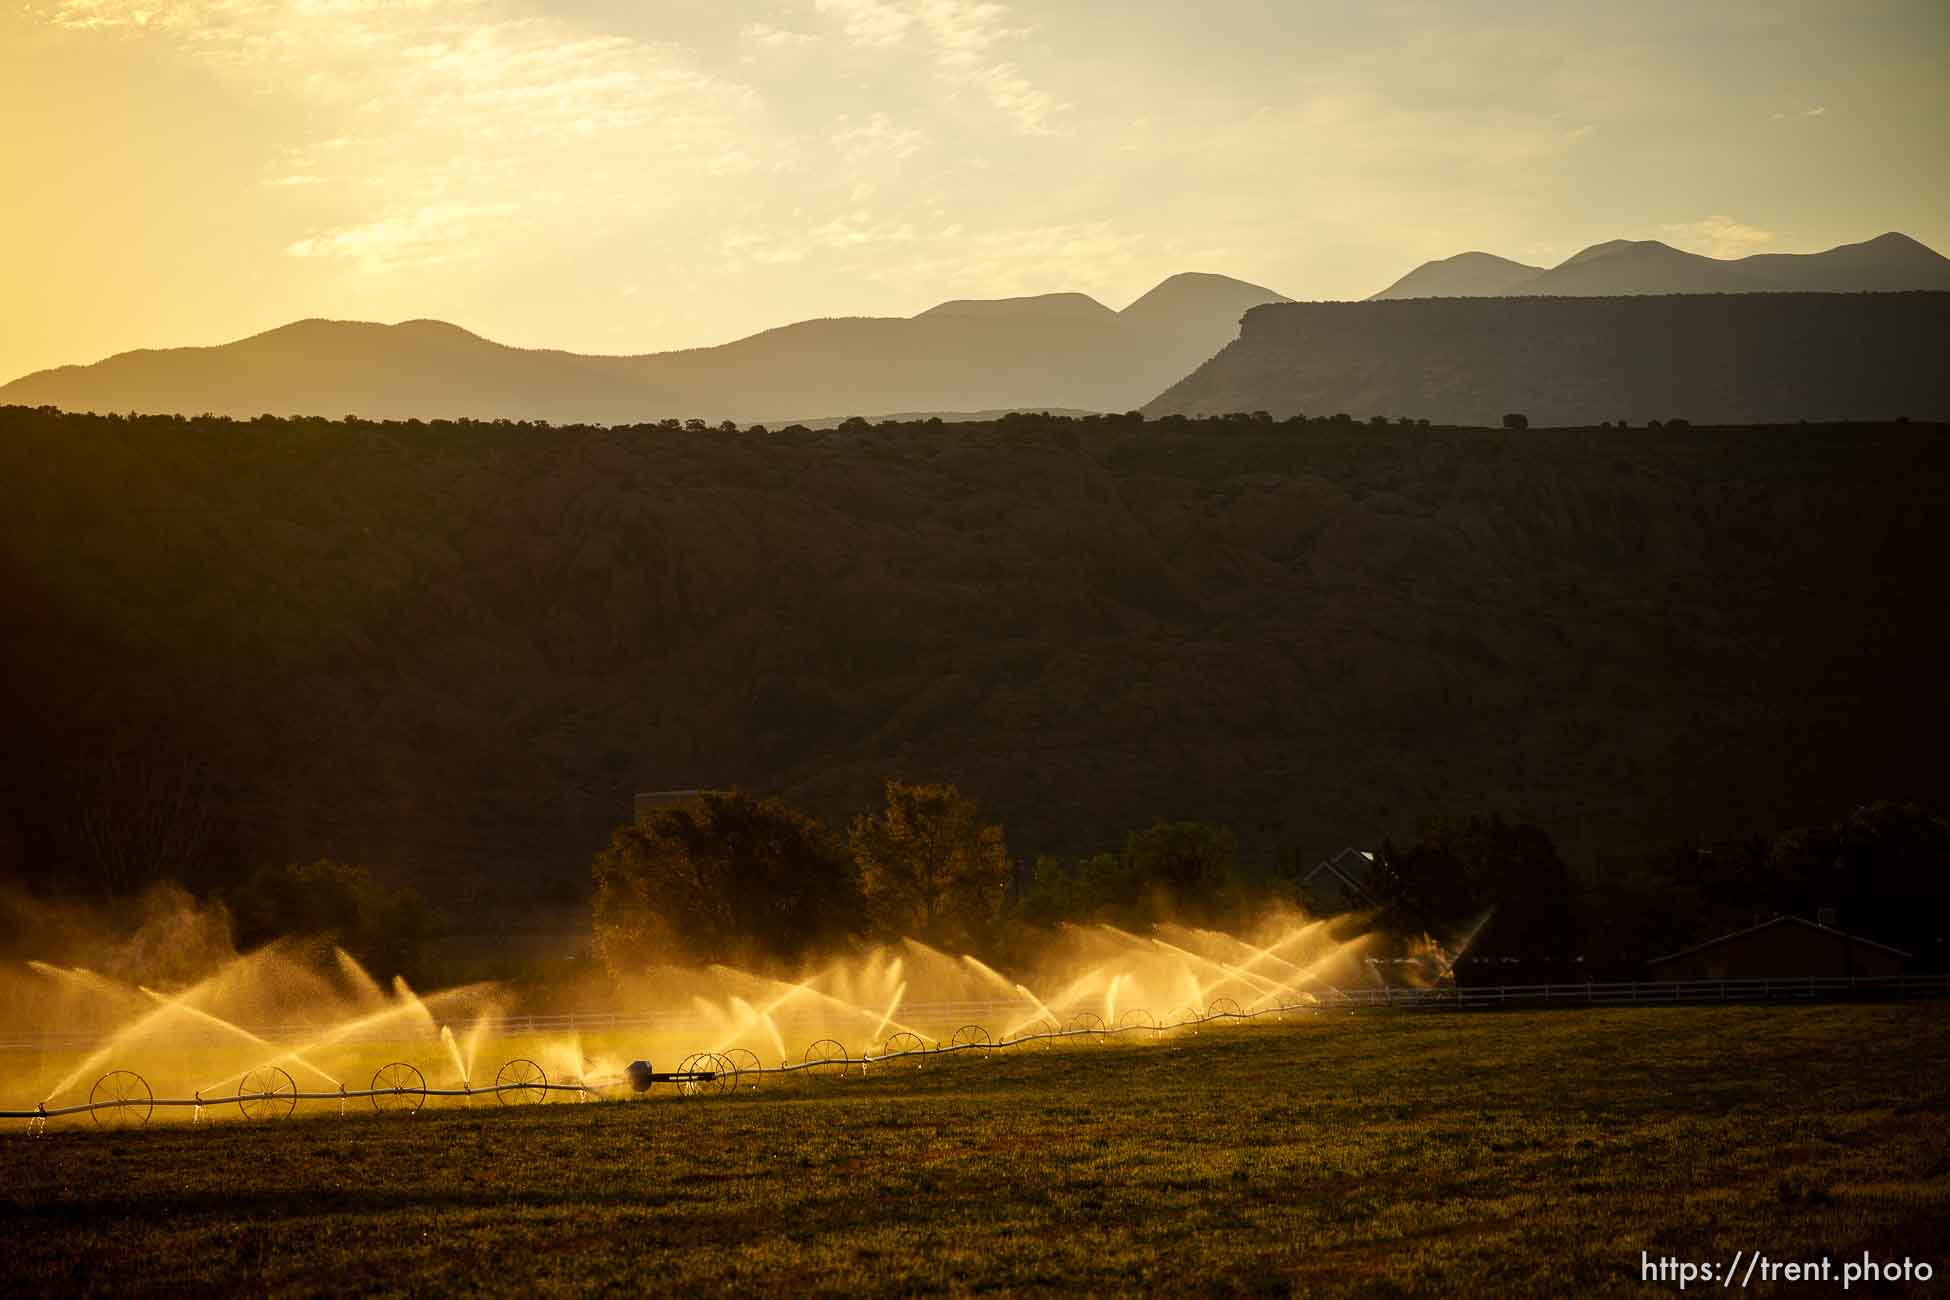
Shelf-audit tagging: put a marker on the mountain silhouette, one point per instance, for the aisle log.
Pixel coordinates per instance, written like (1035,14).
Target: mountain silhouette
(1889,263)
(419,369)
(1040,307)
(1063,350)
(1466,275)
(1642,266)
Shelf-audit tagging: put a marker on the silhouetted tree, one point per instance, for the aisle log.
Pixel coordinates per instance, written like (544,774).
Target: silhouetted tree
(928,866)
(1516,420)
(1885,870)
(387,930)
(723,876)
(1456,875)
(1192,865)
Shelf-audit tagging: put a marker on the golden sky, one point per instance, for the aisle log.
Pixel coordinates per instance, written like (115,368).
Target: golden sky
(630,177)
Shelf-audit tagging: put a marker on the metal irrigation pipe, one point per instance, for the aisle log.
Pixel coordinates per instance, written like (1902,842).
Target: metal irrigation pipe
(86,1107)
(42,1113)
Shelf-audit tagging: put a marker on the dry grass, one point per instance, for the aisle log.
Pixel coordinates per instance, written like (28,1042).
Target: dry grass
(1367,1155)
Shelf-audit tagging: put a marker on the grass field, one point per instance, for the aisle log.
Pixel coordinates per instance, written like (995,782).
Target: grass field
(1489,1154)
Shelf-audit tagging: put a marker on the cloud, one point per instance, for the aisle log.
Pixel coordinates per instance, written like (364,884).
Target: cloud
(1719,236)
(435,233)
(774,38)
(876,137)
(873,24)
(438,113)
(964,37)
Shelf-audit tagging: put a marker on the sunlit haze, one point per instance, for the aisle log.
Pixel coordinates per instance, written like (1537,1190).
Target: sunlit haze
(608,177)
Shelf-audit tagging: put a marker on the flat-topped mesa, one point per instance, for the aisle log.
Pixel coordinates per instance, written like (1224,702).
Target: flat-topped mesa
(1709,358)
(1042,306)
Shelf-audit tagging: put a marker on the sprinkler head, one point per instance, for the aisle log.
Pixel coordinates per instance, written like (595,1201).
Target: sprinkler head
(639,1075)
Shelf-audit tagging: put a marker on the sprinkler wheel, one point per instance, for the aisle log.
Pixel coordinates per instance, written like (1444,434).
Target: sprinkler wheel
(740,1062)
(267,1093)
(521,1082)
(703,1063)
(1138,1018)
(1222,1007)
(121,1099)
(971,1036)
(827,1059)
(398,1086)
(902,1044)
(1087,1023)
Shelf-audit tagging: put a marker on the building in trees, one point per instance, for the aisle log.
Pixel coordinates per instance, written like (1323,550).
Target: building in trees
(1337,884)
(1781,948)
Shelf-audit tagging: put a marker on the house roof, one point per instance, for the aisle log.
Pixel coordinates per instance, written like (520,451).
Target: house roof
(1348,866)
(1778,920)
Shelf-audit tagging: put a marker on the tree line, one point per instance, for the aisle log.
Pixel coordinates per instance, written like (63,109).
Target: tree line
(730,876)
(733,877)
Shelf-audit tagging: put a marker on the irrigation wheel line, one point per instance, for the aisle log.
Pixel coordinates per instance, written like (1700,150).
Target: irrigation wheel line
(122,1098)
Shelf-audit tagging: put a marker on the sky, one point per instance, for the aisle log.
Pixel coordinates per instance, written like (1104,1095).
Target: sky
(631,177)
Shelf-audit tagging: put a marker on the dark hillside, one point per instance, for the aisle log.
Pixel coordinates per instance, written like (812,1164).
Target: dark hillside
(458,649)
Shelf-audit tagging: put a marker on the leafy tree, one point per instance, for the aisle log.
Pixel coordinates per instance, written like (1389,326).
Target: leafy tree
(1516,420)
(928,866)
(1187,870)
(1885,870)
(1193,866)
(725,876)
(387,930)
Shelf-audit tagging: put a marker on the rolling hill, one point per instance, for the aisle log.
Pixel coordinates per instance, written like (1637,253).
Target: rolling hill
(1466,275)
(1052,351)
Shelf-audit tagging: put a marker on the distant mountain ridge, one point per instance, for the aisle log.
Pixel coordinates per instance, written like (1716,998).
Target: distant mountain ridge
(1050,351)
(1888,263)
